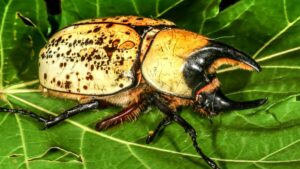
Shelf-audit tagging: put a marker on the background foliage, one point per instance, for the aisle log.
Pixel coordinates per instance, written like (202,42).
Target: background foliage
(266,137)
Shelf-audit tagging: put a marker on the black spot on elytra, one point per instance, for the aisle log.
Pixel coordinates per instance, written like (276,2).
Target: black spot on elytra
(88,41)
(68,84)
(61,65)
(85,87)
(43,55)
(45,76)
(67,76)
(96,29)
(58,83)
(139,18)
(74,42)
(59,39)
(125,20)
(97,57)
(127,33)
(89,58)
(111,49)
(99,41)
(89,31)
(121,61)
(68,52)
(109,25)
(89,76)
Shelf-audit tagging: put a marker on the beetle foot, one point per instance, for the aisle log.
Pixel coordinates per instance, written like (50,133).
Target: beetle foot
(150,137)
(160,127)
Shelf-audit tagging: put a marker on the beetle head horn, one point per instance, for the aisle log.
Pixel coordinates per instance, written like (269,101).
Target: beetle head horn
(215,54)
(216,101)
(201,65)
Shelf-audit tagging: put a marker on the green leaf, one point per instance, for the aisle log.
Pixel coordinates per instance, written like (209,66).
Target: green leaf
(265,137)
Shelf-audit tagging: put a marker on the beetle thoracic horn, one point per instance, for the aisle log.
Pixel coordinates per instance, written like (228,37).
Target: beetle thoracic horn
(216,54)
(220,102)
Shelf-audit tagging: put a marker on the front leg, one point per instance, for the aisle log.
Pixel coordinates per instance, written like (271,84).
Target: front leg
(172,116)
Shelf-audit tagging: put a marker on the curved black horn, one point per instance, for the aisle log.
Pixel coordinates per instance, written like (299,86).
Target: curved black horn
(217,101)
(202,59)
(205,56)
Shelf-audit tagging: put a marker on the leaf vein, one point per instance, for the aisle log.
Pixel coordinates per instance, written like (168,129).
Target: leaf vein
(281,149)
(139,159)
(236,18)
(159,14)
(81,149)
(285,12)
(23,141)
(277,54)
(135,7)
(275,37)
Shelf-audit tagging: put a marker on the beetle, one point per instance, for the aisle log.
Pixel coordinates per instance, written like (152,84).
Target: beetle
(135,62)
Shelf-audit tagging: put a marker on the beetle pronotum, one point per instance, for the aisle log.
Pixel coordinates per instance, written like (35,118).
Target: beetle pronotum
(135,62)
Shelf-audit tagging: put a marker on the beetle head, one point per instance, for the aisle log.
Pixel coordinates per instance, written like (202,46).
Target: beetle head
(200,75)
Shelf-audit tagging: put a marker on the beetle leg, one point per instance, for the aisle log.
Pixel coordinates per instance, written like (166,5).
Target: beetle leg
(161,126)
(129,113)
(61,117)
(187,127)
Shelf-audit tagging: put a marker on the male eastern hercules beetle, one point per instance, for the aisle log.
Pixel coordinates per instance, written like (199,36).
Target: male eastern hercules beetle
(135,62)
